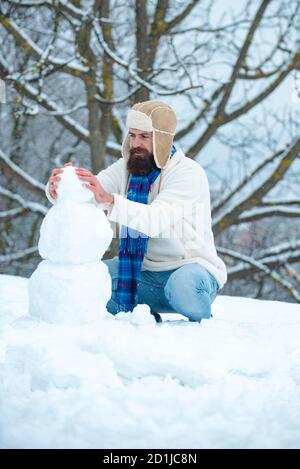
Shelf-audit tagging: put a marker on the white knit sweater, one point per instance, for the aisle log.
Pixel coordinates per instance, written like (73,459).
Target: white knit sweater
(177,217)
(177,235)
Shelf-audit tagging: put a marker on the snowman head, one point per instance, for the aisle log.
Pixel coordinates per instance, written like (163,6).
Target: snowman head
(71,188)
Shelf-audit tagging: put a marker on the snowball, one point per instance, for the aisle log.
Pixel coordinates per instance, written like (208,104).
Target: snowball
(71,188)
(74,233)
(70,294)
(141,315)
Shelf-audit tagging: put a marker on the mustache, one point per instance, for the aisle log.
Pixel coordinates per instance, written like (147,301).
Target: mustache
(134,151)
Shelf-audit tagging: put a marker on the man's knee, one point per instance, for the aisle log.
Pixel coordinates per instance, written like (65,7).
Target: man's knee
(192,276)
(188,292)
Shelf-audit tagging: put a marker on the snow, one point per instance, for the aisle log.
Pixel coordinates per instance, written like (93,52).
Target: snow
(260,212)
(69,294)
(229,382)
(71,188)
(83,243)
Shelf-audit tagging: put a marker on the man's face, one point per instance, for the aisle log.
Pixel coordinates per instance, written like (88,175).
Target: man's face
(141,160)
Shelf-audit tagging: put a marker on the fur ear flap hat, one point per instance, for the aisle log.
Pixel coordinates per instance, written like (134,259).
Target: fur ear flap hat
(156,117)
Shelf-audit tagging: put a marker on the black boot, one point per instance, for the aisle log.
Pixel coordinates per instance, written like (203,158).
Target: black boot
(156,317)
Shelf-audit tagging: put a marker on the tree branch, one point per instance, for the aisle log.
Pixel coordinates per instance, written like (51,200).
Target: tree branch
(36,185)
(167,26)
(260,266)
(258,213)
(273,257)
(58,5)
(27,205)
(230,217)
(219,205)
(241,58)
(77,70)
(13,213)
(7,258)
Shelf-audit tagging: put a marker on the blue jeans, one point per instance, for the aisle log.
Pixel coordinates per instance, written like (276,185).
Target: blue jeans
(188,290)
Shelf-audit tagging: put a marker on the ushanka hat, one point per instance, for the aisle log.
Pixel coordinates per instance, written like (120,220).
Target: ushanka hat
(156,117)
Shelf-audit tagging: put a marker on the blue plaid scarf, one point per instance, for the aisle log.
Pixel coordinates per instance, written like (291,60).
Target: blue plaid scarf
(133,244)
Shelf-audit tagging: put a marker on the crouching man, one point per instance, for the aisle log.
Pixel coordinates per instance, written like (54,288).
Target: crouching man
(160,200)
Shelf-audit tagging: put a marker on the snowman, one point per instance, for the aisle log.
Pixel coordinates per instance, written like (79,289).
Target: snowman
(72,285)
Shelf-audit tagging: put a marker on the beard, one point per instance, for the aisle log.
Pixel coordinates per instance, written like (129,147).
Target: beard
(140,162)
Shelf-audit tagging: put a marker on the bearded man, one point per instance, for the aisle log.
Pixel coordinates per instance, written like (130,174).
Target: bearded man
(160,200)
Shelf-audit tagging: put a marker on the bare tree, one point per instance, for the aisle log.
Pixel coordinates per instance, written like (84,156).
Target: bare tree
(75,66)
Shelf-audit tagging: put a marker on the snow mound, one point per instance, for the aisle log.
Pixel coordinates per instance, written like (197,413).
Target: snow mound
(126,382)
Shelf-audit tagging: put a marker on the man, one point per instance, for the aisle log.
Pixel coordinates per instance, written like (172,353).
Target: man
(160,200)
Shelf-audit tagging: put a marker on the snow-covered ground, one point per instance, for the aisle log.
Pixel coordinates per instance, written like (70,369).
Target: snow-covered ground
(126,382)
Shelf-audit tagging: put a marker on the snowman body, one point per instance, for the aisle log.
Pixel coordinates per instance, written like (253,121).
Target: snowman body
(71,285)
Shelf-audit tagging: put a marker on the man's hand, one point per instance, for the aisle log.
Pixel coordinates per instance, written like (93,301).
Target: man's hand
(92,183)
(54,179)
